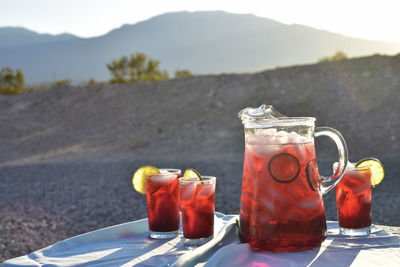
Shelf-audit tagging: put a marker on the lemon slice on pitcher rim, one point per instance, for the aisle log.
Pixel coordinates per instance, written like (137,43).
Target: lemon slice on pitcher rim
(376,167)
(191,173)
(140,176)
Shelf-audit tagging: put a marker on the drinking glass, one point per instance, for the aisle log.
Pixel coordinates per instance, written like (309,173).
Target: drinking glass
(162,192)
(353,200)
(197,207)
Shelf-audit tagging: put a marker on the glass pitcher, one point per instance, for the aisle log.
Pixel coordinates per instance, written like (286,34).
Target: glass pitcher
(281,207)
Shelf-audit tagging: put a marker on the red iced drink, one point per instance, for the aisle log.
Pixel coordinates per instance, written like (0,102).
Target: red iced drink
(353,198)
(281,205)
(162,191)
(197,206)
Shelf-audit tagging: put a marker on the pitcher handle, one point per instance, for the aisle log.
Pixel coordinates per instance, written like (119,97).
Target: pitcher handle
(327,183)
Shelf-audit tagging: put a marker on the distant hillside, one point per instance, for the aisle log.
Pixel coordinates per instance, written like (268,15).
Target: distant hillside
(17,36)
(203,42)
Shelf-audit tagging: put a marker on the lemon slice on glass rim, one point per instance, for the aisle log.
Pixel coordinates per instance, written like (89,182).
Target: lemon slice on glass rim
(191,173)
(140,176)
(376,167)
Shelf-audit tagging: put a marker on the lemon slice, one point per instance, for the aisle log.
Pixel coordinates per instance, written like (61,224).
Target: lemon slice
(140,176)
(376,167)
(190,173)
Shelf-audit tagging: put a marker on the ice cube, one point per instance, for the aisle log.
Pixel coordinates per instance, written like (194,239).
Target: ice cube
(163,177)
(293,137)
(207,190)
(281,137)
(282,134)
(265,149)
(187,190)
(266,132)
(303,139)
(361,188)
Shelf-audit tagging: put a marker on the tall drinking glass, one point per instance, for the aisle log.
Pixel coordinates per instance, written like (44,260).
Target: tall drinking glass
(197,206)
(162,192)
(353,200)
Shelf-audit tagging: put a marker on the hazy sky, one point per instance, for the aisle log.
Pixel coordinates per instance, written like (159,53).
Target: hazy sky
(369,19)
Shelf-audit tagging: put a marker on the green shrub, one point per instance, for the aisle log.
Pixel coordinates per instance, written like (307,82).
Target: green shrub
(92,82)
(11,83)
(136,67)
(65,81)
(182,74)
(339,55)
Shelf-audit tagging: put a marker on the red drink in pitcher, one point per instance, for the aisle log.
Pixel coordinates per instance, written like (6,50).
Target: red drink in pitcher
(162,191)
(281,205)
(353,200)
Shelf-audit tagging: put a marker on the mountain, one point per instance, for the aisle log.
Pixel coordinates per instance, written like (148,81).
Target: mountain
(202,42)
(18,36)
